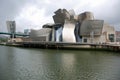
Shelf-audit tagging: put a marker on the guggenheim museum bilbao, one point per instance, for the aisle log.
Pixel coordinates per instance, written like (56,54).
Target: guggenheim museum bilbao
(69,27)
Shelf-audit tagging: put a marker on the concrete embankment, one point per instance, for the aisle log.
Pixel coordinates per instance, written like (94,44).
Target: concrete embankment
(69,46)
(2,43)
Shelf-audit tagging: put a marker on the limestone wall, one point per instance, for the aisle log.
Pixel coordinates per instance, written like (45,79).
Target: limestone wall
(92,40)
(107,29)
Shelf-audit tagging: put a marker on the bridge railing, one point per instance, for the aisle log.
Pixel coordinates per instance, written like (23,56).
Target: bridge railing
(16,34)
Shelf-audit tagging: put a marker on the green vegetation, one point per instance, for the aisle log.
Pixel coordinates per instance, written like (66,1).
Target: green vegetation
(3,39)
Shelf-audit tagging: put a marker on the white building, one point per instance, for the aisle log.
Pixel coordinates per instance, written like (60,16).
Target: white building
(11,26)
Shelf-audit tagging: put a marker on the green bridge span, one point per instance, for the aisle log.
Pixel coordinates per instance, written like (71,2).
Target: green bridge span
(16,34)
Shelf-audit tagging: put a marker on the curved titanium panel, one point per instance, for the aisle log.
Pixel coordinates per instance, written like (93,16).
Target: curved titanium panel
(68,32)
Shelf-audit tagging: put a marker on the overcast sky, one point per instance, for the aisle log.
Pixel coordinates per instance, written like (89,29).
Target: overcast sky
(34,13)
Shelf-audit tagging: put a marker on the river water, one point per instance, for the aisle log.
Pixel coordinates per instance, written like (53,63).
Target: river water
(46,64)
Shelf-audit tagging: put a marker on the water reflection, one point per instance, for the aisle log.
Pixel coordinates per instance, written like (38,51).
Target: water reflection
(68,60)
(42,64)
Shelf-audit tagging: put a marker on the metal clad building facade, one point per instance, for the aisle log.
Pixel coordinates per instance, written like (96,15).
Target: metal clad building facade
(41,35)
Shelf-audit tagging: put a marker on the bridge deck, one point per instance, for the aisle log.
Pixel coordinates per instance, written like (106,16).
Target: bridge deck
(5,33)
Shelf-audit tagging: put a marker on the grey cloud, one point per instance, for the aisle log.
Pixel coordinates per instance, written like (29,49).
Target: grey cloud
(8,10)
(55,4)
(109,12)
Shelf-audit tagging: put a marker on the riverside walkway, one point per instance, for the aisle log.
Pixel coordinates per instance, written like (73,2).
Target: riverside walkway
(64,45)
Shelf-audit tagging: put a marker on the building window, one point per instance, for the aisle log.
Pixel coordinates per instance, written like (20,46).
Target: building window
(85,40)
(111,37)
(59,34)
